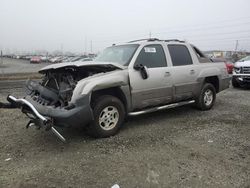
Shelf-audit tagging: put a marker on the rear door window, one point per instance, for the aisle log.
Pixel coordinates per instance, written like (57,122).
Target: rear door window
(180,55)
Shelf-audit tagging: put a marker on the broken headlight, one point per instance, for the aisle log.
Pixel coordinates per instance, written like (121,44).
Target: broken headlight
(237,70)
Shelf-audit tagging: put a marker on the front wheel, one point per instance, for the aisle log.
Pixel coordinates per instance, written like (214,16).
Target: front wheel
(109,113)
(207,97)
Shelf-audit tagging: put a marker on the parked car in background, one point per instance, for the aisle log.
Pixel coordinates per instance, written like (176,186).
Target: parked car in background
(57,59)
(86,59)
(228,63)
(44,59)
(241,73)
(16,57)
(68,59)
(27,57)
(35,59)
(247,58)
(77,58)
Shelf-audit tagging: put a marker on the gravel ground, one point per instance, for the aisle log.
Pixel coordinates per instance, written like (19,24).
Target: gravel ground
(180,147)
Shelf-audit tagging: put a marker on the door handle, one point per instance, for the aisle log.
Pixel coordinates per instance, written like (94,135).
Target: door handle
(167,74)
(192,71)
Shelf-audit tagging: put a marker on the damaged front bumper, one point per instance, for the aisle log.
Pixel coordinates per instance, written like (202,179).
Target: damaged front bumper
(37,118)
(242,78)
(48,116)
(78,113)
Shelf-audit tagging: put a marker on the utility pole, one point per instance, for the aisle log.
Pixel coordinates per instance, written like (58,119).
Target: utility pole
(2,61)
(236,45)
(1,57)
(85,45)
(62,48)
(150,34)
(91,46)
(235,55)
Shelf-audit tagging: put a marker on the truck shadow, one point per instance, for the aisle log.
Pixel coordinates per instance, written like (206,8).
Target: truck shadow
(158,117)
(74,135)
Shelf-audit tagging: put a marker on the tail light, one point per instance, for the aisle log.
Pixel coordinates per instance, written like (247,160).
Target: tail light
(229,67)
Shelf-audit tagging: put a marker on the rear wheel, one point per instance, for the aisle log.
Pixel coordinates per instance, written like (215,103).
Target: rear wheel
(207,97)
(108,114)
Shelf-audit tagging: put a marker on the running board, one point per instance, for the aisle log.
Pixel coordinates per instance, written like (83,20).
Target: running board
(161,108)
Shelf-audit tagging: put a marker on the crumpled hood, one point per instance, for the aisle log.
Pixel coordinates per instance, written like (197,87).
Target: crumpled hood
(242,64)
(80,64)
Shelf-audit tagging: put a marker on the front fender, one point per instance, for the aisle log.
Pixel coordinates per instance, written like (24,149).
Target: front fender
(100,81)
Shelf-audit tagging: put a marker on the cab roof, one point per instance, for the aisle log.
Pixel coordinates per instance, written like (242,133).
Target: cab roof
(151,40)
(157,40)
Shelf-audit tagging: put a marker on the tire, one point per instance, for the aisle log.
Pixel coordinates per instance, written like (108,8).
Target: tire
(235,83)
(109,114)
(207,97)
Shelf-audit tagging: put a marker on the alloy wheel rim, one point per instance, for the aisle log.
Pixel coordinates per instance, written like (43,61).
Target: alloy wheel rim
(108,118)
(208,97)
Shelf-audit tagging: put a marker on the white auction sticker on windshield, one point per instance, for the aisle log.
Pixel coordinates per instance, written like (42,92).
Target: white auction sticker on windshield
(150,50)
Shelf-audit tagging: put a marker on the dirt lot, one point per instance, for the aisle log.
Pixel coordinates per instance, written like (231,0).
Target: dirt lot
(180,147)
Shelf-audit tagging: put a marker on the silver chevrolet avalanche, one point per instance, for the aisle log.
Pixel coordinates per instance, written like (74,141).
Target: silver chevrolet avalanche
(124,80)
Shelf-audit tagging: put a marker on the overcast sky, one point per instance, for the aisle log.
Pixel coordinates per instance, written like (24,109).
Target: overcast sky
(71,25)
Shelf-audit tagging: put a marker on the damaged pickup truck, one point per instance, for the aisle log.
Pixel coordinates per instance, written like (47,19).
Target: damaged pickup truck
(124,80)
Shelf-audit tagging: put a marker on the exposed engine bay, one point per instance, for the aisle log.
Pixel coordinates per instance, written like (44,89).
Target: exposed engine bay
(57,85)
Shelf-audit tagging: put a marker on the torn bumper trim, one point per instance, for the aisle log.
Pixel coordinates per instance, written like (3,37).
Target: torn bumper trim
(23,101)
(45,121)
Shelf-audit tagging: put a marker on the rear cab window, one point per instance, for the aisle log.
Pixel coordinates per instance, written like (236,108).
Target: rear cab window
(201,57)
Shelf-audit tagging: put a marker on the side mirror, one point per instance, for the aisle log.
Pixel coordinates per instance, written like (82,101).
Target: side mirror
(143,70)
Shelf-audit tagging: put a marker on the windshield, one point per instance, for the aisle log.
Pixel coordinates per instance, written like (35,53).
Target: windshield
(245,59)
(118,54)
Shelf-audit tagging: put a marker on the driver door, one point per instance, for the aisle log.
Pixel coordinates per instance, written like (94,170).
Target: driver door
(156,89)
